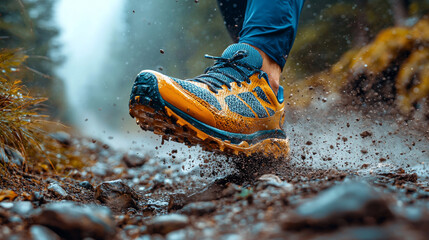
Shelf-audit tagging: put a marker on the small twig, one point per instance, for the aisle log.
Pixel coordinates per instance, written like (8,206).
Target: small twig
(39,57)
(39,73)
(26,175)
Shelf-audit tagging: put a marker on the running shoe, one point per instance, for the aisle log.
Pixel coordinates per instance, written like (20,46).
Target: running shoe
(231,108)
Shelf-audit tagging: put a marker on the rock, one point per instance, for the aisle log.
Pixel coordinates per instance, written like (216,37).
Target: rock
(132,160)
(344,204)
(24,208)
(177,201)
(38,232)
(38,198)
(62,137)
(167,223)
(220,188)
(272,180)
(73,221)
(6,205)
(178,235)
(117,195)
(372,232)
(87,185)
(15,220)
(57,190)
(198,208)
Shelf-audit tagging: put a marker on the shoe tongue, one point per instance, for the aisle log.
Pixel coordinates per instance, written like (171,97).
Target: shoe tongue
(253,58)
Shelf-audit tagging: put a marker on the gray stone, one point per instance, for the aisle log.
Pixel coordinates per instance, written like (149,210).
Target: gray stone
(86,184)
(273,180)
(57,190)
(24,208)
(270,178)
(198,208)
(117,195)
(344,204)
(167,223)
(132,160)
(6,205)
(73,221)
(38,232)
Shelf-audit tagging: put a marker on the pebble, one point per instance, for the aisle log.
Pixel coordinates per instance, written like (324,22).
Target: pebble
(133,161)
(167,223)
(198,208)
(73,221)
(6,205)
(87,185)
(273,180)
(270,178)
(347,203)
(38,232)
(24,208)
(117,195)
(37,197)
(57,190)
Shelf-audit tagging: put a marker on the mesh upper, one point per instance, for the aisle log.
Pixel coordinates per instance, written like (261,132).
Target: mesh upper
(261,94)
(202,93)
(270,111)
(237,106)
(253,59)
(253,102)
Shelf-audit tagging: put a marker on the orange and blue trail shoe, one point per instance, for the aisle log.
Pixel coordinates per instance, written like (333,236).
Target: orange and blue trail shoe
(230,108)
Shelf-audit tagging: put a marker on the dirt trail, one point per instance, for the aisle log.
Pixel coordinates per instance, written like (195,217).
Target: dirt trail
(350,175)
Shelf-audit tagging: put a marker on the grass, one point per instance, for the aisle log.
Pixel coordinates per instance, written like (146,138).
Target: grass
(22,128)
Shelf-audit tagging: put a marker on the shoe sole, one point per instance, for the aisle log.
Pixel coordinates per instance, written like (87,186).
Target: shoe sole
(154,114)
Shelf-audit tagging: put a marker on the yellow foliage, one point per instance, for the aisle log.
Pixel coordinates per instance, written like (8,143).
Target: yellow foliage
(409,91)
(387,46)
(23,128)
(398,54)
(18,119)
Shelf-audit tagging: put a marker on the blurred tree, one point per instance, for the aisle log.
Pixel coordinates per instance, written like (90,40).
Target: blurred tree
(400,11)
(28,24)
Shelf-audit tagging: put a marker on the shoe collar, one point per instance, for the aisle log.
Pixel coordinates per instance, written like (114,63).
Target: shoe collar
(253,59)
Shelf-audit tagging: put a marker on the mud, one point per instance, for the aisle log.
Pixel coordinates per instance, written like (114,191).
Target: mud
(350,175)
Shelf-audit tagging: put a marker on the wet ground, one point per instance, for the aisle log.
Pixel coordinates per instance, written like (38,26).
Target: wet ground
(350,175)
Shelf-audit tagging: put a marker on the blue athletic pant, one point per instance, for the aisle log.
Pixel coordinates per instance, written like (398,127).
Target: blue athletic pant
(269,25)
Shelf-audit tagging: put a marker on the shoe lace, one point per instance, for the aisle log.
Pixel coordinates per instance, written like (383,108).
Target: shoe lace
(215,82)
